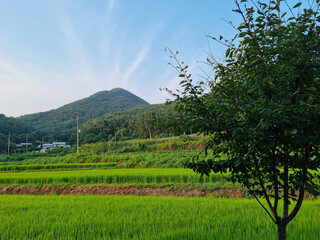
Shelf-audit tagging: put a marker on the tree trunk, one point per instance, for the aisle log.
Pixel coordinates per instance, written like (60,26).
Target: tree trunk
(282,232)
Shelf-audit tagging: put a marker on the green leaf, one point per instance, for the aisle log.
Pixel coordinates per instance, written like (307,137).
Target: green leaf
(252,90)
(312,89)
(259,12)
(297,5)
(227,52)
(242,34)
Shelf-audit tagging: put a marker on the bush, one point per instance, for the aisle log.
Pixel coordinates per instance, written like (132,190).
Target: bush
(185,138)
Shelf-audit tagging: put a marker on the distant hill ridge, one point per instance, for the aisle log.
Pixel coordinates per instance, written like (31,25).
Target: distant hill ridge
(91,107)
(58,123)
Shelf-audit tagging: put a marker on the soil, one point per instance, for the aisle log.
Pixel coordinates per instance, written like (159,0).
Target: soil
(118,190)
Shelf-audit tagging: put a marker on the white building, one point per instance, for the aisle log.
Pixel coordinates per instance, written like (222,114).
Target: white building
(23,145)
(51,146)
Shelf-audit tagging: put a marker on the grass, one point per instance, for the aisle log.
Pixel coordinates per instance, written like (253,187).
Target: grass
(110,176)
(6,168)
(131,217)
(164,159)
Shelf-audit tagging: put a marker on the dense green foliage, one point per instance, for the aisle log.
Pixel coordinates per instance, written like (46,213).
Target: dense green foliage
(18,131)
(262,109)
(144,218)
(182,142)
(142,122)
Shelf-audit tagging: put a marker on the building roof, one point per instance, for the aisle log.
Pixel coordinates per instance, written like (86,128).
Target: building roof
(47,144)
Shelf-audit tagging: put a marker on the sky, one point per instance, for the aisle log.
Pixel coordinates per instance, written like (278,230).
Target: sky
(53,52)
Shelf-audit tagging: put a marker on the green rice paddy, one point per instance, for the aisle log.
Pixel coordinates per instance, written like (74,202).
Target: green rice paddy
(109,176)
(6,168)
(132,217)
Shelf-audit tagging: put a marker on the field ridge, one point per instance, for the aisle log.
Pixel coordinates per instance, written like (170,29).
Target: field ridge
(186,191)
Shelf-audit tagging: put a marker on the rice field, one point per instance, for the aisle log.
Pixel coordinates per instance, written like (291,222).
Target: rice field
(132,217)
(6,168)
(109,176)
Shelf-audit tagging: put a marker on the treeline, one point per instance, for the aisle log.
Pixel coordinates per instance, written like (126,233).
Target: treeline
(151,121)
(18,132)
(143,122)
(109,115)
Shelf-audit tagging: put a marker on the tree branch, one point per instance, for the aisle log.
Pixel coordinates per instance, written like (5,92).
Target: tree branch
(301,193)
(285,189)
(275,221)
(258,174)
(275,176)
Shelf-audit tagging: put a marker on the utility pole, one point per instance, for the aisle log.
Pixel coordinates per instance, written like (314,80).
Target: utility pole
(9,144)
(27,142)
(77,134)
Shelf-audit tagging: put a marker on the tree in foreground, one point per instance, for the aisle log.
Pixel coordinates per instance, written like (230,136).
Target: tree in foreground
(262,109)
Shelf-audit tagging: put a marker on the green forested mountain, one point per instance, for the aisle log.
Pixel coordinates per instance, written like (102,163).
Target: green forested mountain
(59,124)
(18,131)
(108,115)
(142,122)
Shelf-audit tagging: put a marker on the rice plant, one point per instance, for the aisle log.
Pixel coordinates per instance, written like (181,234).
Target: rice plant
(5,168)
(159,218)
(109,176)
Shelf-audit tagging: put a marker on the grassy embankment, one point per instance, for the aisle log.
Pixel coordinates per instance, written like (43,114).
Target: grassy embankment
(157,153)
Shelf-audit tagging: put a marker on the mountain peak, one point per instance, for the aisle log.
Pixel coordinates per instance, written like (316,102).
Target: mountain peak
(120,92)
(89,108)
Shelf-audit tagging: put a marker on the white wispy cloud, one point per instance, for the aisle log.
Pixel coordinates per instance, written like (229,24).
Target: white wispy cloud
(135,64)
(110,7)
(79,59)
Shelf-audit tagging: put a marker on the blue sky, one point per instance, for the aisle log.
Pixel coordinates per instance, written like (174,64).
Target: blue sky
(53,52)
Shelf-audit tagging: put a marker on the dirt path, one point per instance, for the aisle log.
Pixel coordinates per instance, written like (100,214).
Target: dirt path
(116,190)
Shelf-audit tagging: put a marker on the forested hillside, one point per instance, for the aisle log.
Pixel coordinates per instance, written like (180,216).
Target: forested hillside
(109,115)
(18,131)
(59,124)
(142,122)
